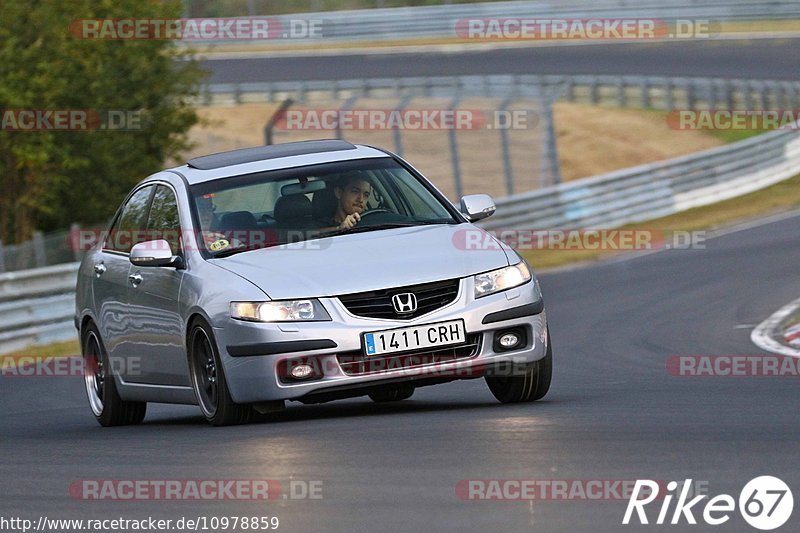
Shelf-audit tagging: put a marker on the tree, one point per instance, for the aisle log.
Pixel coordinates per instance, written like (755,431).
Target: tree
(51,178)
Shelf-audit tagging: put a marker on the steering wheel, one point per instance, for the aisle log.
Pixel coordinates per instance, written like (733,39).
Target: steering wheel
(375,211)
(382,216)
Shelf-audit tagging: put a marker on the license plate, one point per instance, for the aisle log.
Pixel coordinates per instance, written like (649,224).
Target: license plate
(415,337)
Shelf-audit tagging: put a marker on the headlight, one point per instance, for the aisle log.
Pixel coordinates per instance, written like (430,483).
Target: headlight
(280,311)
(501,279)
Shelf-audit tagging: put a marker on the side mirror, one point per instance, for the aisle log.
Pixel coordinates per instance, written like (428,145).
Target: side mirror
(477,206)
(155,254)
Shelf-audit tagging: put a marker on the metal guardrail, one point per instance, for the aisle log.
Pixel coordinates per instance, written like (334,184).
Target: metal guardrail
(536,92)
(656,92)
(654,190)
(436,22)
(37,306)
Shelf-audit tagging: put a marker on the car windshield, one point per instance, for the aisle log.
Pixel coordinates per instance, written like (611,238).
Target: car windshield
(278,207)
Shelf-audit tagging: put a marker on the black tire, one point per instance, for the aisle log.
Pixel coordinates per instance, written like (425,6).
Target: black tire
(209,383)
(527,383)
(101,389)
(394,393)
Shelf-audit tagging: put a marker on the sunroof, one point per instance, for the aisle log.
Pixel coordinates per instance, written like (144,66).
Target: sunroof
(261,153)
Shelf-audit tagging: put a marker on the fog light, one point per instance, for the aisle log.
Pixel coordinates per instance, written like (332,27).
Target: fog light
(509,340)
(302,371)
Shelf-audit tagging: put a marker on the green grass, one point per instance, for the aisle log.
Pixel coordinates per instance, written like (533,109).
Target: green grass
(732,136)
(58,349)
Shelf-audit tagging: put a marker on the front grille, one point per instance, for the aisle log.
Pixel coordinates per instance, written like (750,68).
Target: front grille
(357,364)
(378,304)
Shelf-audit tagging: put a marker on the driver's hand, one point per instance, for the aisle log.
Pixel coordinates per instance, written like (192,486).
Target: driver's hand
(350,221)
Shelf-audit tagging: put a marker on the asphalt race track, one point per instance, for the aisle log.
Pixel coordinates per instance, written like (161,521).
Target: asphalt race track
(614,413)
(755,59)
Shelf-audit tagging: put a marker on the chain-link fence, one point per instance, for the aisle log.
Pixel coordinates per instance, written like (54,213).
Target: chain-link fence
(44,249)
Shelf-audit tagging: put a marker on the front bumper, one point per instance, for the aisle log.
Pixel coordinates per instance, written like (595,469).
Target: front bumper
(252,353)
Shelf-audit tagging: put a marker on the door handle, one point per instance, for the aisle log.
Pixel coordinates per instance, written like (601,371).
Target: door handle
(135,279)
(99,269)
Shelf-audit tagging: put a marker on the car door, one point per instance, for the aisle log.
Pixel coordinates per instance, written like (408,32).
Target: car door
(155,306)
(111,284)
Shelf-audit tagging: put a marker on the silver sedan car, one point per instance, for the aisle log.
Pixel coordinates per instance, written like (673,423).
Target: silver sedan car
(308,271)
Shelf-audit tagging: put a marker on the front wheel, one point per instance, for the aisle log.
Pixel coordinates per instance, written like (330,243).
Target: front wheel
(208,381)
(101,389)
(527,384)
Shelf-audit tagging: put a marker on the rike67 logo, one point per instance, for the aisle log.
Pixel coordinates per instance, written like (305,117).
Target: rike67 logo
(765,503)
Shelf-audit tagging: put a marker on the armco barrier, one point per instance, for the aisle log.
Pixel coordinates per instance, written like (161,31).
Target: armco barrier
(37,306)
(657,92)
(439,22)
(659,189)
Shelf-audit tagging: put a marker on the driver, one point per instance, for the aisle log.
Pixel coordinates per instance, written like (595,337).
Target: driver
(214,241)
(352,193)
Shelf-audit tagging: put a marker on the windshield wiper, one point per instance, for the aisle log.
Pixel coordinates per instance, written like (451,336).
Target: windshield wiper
(239,249)
(231,251)
(392,225)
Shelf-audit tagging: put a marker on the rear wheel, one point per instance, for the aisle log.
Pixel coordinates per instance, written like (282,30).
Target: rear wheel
(208,381)
(101,389)
(525,384)
(392,394)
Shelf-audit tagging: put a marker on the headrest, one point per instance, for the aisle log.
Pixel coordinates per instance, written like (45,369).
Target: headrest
(292,208)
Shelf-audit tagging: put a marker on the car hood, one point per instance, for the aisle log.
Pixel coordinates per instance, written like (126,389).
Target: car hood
(365,261)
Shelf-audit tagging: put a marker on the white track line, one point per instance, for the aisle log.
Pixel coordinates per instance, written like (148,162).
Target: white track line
(762,336)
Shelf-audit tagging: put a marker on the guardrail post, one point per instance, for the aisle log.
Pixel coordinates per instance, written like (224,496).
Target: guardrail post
(644,86)
(593,96)
(550,162)
(509,172)
(396,133)
(38,249)
(669,97)
(728,94)
(74,239)
(348,104)
(620,92)
(286,104)
(451,133)
(2,258)
(570,89)
(237,94)
(784,102)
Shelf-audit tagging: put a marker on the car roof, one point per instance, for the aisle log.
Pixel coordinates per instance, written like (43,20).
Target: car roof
(273,157)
